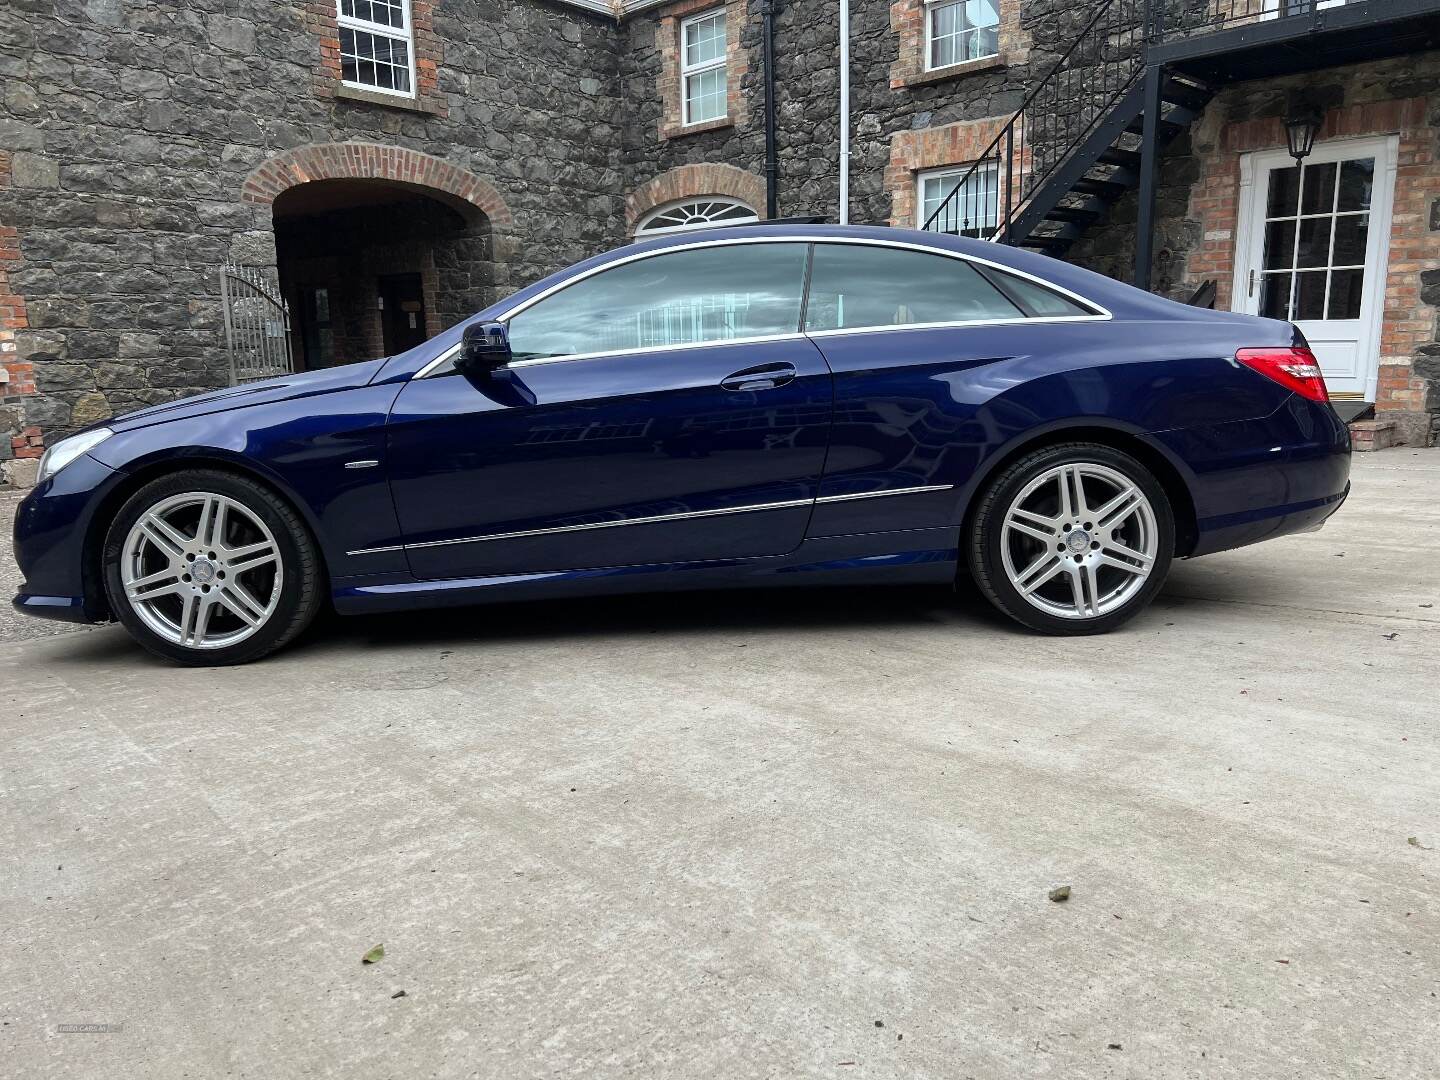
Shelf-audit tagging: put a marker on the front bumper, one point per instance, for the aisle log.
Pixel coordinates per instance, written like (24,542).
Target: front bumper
(53,543)
(60,608)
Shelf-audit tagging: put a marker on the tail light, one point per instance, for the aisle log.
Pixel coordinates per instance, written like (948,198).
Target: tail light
(1294,369)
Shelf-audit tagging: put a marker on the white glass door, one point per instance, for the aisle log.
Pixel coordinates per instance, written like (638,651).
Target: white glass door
(1314,241)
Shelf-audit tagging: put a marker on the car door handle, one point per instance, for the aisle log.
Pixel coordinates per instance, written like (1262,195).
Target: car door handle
(762,377)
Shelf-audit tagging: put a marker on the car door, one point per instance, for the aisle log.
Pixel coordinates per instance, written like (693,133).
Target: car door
(915,339)
(664,408)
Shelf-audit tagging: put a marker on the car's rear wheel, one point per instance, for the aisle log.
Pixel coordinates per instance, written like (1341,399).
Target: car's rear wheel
(1072,539)
(208,568)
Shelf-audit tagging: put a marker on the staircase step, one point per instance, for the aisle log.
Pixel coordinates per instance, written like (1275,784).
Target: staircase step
(1129,159)
(1108,190)
(1048,244)
(1193,96)
(1168,128)
(1081,215)
(1373,434)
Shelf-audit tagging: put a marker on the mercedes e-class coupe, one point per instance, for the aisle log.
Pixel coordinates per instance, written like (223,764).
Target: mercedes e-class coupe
(759,406)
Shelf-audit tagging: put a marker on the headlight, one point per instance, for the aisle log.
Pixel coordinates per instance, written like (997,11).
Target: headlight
(67,450)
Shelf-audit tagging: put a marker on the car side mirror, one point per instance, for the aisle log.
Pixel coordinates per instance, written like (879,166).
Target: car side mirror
(484,349)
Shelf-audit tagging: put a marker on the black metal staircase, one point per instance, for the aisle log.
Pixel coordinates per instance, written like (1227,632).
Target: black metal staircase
(1137,75)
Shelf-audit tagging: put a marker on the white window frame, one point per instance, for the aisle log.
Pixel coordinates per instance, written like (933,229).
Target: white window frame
(955,172)
(643,231)
(931,6)
(689,71)
(382,30)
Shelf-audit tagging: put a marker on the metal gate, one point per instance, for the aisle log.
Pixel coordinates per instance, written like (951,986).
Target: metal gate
(257,324)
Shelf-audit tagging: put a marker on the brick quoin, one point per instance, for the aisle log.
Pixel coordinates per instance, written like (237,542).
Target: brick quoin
(912,152)
(686,181)
(737,63)
(320,22)
(372,161)
(907,20)
(19,378)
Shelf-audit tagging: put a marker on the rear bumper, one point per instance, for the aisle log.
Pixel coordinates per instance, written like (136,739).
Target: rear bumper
(1258,479)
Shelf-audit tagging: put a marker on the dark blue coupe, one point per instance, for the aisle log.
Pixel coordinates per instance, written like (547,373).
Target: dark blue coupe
(770,405)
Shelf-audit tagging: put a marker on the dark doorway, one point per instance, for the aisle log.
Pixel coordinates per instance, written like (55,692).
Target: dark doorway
(402,312)
(371,268)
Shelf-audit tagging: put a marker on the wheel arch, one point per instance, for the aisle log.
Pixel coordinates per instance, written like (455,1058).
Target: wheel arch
(136,476)
(1166,471)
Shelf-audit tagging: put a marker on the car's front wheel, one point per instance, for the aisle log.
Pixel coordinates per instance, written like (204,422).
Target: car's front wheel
(1072,539)
(208,568)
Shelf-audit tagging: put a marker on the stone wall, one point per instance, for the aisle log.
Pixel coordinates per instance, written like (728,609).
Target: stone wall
(129,127)
(141,142)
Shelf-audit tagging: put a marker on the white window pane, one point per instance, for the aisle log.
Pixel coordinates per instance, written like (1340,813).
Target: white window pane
(982,43)
(980,13)
(375,60)
(975,209)
(705,96)
(705,40)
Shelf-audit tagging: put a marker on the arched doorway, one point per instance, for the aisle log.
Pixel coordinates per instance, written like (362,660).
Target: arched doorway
(377,248)
(373,267)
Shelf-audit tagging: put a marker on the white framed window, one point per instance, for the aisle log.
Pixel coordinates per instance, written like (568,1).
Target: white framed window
(377,45)
(960,30)
(974,211)
(700,212)
(703,82)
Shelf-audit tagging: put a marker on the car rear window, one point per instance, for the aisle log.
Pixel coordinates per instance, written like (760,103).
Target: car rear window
(854,286)
(1036,298)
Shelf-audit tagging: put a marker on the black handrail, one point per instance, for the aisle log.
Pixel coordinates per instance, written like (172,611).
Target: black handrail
(1066,105)
(988,209)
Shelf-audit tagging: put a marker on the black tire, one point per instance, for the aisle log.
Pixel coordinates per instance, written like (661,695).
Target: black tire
(985,539)
(301,589)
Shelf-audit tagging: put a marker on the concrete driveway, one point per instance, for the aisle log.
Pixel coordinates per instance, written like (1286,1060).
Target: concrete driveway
(753,836)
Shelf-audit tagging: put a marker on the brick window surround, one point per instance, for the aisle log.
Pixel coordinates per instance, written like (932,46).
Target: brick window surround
(907,18)
(320,20)
(17,377)
(688,181)
(913,152)
(1409,322)
(667,42)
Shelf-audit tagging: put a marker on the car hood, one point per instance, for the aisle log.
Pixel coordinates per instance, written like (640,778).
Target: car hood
(303,384)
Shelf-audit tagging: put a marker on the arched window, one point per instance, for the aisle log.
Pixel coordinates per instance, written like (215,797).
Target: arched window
(699,212)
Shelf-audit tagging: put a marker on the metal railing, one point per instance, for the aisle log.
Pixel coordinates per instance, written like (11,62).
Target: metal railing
(1080,90)
(1188,18)
(257,324)
(1104,62)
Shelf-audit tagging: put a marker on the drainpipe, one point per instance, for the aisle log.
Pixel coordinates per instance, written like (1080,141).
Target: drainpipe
(844,112)
(772,160)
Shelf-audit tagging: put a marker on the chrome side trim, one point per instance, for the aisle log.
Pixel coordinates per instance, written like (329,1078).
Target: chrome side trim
(882,494)
(656,519)
(1101,312)
(368,463)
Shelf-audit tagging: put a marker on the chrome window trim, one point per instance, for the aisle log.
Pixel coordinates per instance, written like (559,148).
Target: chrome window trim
(1102,313)
(655,519)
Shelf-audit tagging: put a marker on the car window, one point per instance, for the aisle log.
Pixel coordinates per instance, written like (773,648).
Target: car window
(1039,300)
(682,298)
(854,286)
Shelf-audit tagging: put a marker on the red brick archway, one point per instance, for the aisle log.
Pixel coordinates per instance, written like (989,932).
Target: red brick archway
(372,161)
(687,180)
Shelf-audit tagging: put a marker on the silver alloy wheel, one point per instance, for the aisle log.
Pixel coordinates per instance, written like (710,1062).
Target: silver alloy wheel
(201,570)
(1079,541)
